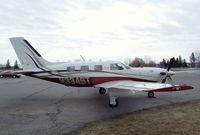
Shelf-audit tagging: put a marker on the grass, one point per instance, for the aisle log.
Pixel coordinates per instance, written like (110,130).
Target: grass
(179,119)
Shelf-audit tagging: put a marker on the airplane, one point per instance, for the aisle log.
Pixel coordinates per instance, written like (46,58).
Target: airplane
(110,77)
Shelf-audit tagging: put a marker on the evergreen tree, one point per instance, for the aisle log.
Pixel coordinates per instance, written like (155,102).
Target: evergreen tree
(197,57)
(192,59)
(8,64)
(176,64)
(180,63)
(184,63)
(16,66)
(163,63)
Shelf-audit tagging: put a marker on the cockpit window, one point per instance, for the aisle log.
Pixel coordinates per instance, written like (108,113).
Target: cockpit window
(116,66)
(126,66)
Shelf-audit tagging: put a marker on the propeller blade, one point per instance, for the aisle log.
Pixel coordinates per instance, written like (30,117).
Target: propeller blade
(172,60)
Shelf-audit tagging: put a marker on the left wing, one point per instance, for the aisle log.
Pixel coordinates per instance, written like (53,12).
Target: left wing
(143,86)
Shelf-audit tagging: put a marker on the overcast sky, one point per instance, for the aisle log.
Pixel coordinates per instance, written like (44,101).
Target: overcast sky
(61,30)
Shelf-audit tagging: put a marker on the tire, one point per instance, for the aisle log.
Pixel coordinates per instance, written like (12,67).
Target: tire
(116,105)
(102,91)
(151,94)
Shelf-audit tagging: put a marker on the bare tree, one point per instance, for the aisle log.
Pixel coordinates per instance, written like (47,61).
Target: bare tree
(137,62)
(151,64)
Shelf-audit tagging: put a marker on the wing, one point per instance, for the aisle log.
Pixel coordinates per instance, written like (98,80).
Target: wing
(143,86)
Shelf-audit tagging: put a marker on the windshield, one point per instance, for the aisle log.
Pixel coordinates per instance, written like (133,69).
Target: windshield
(126,66)
(118,66)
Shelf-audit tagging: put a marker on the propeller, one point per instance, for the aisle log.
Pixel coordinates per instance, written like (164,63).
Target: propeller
(171,62)
(168,72)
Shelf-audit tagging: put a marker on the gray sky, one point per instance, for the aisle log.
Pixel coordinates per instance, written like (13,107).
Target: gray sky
(101,29)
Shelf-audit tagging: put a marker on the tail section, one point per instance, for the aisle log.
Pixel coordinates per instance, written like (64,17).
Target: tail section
(28,56)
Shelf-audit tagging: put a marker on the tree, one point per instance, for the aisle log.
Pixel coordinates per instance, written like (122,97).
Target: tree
(8,64)
(16,66)
(151,64)
(180,63)
(176,63)
(192,59)
(163,63)
(197,57)
(184,63)
(137,62)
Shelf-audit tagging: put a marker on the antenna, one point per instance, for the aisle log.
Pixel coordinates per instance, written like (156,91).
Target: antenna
(82,58)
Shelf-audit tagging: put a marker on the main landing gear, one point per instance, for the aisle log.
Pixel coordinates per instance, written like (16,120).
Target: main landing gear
(151,94)
(113,102)
(102,91)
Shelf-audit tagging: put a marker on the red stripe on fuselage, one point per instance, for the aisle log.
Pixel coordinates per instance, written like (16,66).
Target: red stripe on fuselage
(87,81)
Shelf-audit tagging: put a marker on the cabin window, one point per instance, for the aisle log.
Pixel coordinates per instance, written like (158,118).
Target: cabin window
(85,68)
(98,67)
(116,66)
(72,68)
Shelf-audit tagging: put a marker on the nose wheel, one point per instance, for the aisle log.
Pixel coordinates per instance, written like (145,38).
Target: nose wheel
(151,94)
(102,91)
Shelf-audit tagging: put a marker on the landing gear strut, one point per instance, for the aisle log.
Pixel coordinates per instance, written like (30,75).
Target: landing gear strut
(102,91)
(151,94)
(113,102)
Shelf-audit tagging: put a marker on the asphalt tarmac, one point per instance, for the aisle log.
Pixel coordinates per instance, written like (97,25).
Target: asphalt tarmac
(30,106)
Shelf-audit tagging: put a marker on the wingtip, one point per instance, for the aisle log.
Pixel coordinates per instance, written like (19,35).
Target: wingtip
(187,87)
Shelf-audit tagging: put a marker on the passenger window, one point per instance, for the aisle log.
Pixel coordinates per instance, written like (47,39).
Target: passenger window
(84,68)
(72,68)
(98,67)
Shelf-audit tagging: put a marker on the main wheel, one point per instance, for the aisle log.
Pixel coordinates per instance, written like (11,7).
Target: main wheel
(114,105)
(151,94)
(102,91)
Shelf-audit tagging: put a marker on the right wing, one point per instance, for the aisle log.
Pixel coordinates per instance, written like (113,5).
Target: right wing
(143,86)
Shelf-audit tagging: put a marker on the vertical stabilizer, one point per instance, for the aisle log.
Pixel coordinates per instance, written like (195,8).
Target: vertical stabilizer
(28,56)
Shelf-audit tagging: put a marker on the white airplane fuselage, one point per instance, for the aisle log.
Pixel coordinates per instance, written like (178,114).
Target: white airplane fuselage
(89,74)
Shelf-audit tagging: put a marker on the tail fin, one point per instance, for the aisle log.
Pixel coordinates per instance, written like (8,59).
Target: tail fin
(28,56)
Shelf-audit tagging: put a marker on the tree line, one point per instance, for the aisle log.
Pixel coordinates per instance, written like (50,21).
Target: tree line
(179,62)
(8,66)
